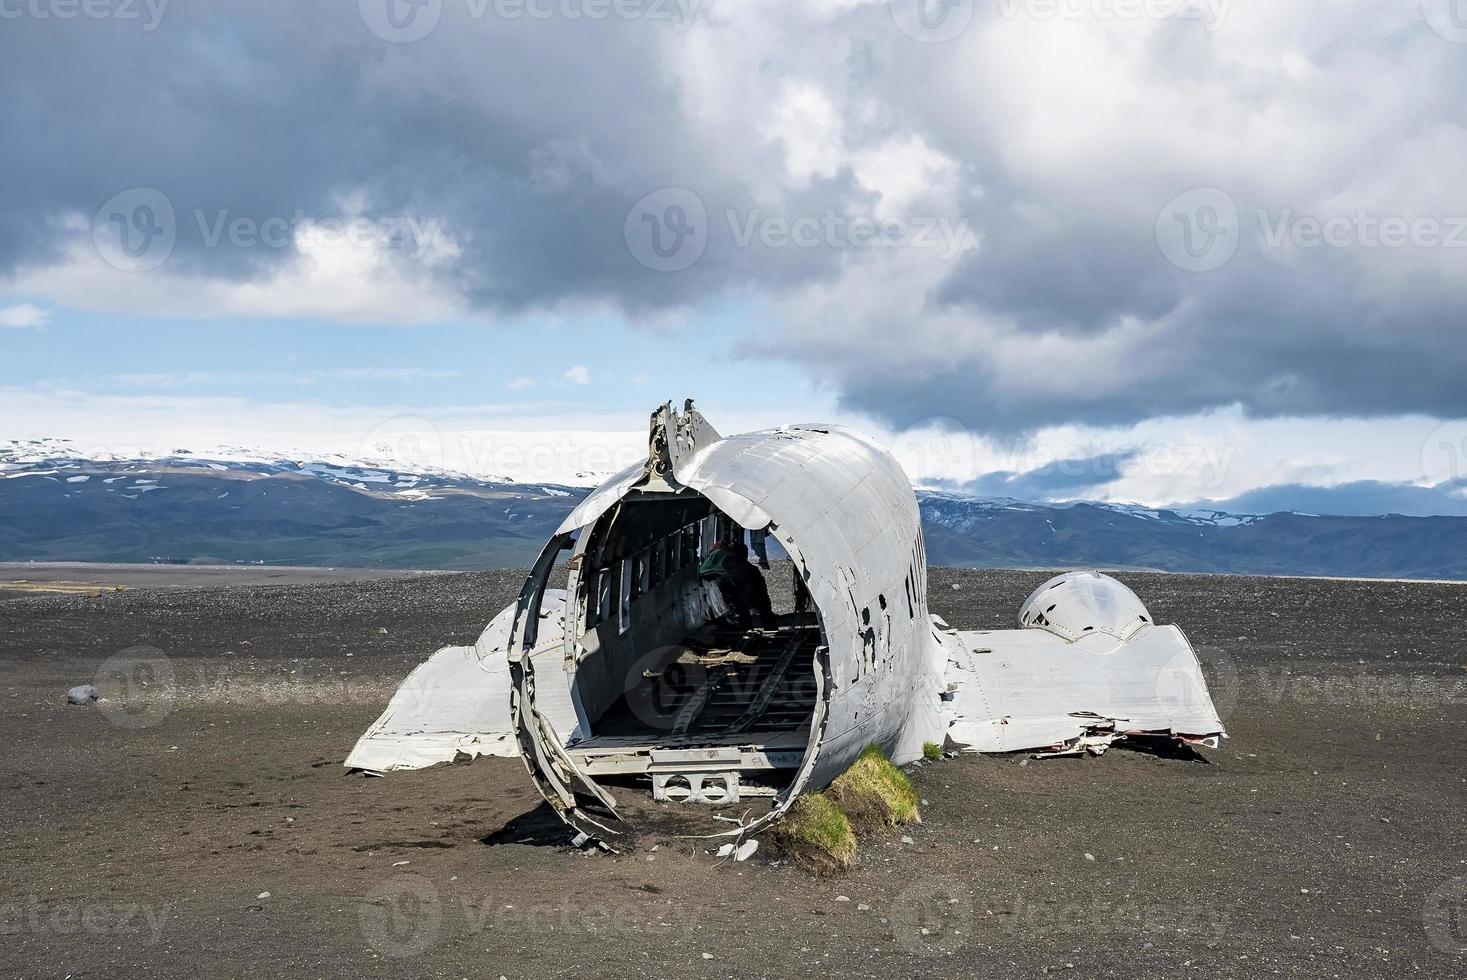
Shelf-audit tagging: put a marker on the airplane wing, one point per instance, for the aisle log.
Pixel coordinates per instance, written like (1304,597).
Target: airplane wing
(1088,668)
(457,701)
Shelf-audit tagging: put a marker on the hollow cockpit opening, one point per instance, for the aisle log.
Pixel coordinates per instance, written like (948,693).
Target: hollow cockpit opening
(689,681)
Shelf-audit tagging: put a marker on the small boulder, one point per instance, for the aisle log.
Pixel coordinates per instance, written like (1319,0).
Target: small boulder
(82,694)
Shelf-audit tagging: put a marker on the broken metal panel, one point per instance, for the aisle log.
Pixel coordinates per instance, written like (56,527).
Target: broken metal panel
(457,702)
(1015,690)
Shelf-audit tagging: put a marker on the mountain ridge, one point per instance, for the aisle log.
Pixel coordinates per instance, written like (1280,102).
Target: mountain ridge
(60,504)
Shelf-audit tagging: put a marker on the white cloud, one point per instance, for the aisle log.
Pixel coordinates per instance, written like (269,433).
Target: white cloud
(23,315)
(521,383)
(580,374)
(330,277)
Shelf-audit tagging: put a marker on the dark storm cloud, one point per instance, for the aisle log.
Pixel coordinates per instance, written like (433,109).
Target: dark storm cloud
(1062,479)
(529,140)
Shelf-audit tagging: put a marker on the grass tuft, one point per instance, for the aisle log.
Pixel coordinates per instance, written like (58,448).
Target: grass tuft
(876,794)
(816,835)
(931,750)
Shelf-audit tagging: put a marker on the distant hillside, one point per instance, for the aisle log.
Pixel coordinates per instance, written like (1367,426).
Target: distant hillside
(1008,534)
(56,505)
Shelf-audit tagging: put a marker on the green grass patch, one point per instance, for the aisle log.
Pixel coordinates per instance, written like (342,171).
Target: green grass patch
(931,750)
(816,834)
(875,794)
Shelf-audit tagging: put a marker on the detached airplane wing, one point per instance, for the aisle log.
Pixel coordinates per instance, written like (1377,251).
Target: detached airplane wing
(457,702)
(1088,667)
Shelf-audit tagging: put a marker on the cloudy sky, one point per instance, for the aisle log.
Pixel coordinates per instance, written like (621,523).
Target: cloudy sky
(1162,251)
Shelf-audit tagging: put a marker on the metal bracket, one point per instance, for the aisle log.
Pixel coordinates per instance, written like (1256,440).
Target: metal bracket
(695,787)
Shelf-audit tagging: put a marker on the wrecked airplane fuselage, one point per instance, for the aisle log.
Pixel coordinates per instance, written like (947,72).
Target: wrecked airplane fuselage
(630,681)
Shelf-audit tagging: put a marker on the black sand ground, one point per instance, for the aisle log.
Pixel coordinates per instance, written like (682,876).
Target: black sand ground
(1328,838)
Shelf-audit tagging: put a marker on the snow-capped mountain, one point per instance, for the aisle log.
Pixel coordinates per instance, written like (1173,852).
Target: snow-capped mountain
(60,503)
(237,505)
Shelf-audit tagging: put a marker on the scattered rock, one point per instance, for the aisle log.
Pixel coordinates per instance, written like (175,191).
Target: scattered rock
(82,694)
(842,898)
(1089,856)
(724,851)
(746,850)
(907,840)
(263,895)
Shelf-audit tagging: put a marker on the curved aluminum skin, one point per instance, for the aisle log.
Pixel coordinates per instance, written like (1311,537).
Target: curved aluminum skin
(1076,604)
(1087,669)
(845,512)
